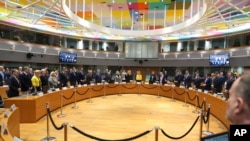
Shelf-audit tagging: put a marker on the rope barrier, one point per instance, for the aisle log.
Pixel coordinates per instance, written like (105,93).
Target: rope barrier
(179,93)
(164,133)
(83,92)
(98,89)
(166,90)
(191,99)
(206,117)
(144,86)
(100,139)
(130,87)
(69,97)
(114,86)
(52,121)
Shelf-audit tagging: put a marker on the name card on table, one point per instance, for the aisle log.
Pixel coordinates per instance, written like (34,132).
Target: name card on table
(4,130)
(154,83)
(138,82)
(190,88)
(199,90)
(7,113)
(49,91)
(123,82)
(116,83)
(146,83)
(71,86)
(106,83)
(57,89)
(85,85)
(165,84)
(12,107)
(98,83)
(182,87)
(79,85)
(64,88)
(40,94)
(92,84)
(214,95)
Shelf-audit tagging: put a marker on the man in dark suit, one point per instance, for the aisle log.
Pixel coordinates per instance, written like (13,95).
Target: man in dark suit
(208,82)
(73,77)
(14,84)
(129,76)
(63,77)
(25,80)
(229,82)
(152,78)
(187,79)
(80,76)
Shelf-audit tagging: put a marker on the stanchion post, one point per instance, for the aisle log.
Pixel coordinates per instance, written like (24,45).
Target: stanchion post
(119,84)
(158,89)
(65,125)
(196,104)
(75,107)
(104,89)
(156,133)
(90,101)
(185,104)
(173,87)
(201,123)
(208,132)
(61,114)
(48,138)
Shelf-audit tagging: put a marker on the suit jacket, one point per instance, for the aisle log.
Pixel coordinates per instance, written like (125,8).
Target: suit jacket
(25,80)
(208,83)
(229,83)
(14,84)
(63,78)
(152,79)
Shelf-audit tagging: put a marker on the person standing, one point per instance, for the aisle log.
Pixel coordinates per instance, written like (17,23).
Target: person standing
(25,79)
(36,81)
(152,77)
(14,84)
(44,80)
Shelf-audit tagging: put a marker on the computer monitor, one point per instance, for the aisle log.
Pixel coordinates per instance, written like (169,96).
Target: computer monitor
(223,136)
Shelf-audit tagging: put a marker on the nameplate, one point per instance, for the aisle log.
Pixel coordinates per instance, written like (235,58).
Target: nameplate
(64,88)
(98,83)
(7,113)
(182,87)
(123,82)
(116,83)
(79,85)
(239,132)
(165,84)
(49,91)
(71,86)
(4,130)
(57,89)
(190,88)
(214,95)
(146,83)
(40,94)
(199,90)
(5,85)
(154,83)
(85,85)
(92,84)
(205,92)
(173,86)
(138,83)
(13,107)
(106,83)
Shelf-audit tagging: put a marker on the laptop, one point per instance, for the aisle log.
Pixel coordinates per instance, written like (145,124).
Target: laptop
(223,136)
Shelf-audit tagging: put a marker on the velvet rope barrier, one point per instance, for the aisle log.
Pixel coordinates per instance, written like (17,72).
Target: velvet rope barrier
(166,90)
(191,99)
(83,92)
(52,121)
(128,87)
(98,89)
(179,93)
(100,139)
(206,117)
(164,133)
(73,93)
(144,86)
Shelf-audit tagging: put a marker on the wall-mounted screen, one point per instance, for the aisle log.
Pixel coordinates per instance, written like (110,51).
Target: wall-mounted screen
(141,50)
(219,60)
(67,57)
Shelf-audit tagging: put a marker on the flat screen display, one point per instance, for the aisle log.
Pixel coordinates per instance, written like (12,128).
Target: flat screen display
(67,57)
(217,137)
(219,60)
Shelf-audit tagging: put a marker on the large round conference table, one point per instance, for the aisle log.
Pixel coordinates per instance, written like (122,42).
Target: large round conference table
(33,107)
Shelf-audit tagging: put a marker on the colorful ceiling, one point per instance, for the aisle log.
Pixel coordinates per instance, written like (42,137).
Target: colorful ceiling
(129,19)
